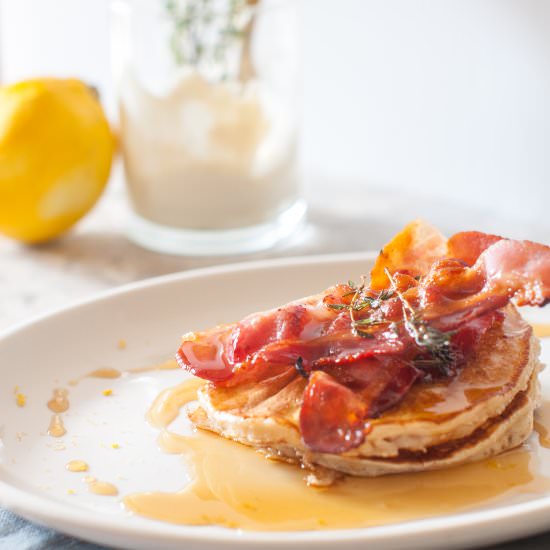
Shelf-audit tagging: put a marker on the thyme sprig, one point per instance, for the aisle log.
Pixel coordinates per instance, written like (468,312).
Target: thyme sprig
(358,303)
(435,342)
(436,349)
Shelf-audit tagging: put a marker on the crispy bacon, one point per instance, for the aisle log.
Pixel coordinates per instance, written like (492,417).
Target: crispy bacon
(411,251)
(202,354)
(362,360)
(336,349)
(337,405)
(519,269)
(505,270)
(333,413)
(258,331)
(332,417)
(467,246)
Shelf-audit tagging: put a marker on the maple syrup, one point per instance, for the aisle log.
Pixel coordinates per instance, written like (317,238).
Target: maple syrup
(102,488)
(541,330)
(112,373)
(235,486)
(77,466)
(59,402)
(56,427)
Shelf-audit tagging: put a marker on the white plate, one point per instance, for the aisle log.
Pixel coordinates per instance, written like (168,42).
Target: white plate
(150,316)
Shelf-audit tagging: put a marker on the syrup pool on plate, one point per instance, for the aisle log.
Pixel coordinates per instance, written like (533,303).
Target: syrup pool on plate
(541,330)
(102,488)
(56,427)
(77,466)
(235,486)
(59,402)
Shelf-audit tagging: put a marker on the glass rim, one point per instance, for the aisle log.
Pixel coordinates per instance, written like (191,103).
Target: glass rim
(255,6)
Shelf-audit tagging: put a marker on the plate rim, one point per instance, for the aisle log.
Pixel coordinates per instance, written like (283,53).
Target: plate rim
(182,275)
(73,520)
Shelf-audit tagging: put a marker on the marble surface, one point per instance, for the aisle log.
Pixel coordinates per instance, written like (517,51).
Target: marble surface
(343,216)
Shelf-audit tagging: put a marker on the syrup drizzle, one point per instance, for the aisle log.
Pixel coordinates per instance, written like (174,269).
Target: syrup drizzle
(106,372)
(541,330)
(59,403)
(56,427)
(235,486)
(111,373)
(102,488)
(77,466)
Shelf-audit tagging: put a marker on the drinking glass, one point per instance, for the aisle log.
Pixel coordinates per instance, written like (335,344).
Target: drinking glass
(207,96)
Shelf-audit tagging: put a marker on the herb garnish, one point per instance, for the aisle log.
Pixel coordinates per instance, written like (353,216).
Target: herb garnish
(435,342)
(358,303)
(338,307)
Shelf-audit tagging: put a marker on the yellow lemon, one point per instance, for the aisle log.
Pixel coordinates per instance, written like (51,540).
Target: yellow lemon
(56,150)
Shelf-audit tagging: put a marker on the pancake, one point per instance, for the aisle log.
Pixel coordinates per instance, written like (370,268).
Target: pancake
(484,410)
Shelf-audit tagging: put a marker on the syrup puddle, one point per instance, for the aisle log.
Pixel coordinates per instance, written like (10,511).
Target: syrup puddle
(101,488)
(77,466)
(59,403)
(56,427)
(166,407)
(111,373)
(237,487)
(541,330)
(105,373)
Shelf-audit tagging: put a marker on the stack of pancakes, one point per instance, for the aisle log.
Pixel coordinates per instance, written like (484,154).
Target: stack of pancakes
(487,408)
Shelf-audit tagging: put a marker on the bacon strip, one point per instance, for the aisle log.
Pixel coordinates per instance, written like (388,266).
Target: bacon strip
(332,417)
(257,331)
(521,269)
(336,349)
(506,270)
(411,251)
(333,414)
(467,246)
(202,354)
(457,287)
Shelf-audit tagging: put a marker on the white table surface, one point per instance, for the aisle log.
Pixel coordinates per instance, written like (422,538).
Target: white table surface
(97,256)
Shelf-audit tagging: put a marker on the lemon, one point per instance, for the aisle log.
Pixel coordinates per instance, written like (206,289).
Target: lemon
(56,150)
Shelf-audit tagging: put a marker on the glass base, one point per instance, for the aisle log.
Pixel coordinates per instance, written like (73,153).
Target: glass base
(226,242)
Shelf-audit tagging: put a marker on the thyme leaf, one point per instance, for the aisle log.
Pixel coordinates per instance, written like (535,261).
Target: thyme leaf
(337,307)
(359,302)
(435,342)
(386,294)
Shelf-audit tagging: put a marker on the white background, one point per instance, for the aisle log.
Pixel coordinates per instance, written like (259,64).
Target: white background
(447,98)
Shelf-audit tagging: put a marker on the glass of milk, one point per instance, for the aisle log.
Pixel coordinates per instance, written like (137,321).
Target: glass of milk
(207,94)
